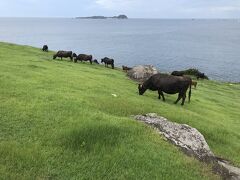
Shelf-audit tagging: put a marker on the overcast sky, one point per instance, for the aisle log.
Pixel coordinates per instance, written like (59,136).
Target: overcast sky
(132,8)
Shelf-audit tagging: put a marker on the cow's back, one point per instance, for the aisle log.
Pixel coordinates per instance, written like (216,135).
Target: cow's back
(168,83)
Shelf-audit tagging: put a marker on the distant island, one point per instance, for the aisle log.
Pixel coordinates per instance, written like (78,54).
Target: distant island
(122,16)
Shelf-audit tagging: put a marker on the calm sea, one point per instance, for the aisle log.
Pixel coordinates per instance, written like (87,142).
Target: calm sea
(212,46)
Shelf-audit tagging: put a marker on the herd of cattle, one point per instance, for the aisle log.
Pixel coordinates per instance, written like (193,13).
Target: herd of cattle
(80,57)
(175,83)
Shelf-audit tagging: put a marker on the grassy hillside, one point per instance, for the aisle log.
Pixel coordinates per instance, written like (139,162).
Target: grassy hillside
(59,120)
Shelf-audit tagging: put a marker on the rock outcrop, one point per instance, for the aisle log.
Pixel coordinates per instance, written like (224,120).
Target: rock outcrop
(191,141)
(142,72)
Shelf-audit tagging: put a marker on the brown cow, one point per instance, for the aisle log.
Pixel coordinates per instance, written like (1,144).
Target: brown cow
(194,83)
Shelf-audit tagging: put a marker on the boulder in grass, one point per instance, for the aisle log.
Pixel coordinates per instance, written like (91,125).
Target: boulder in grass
(192,142)
(142,72)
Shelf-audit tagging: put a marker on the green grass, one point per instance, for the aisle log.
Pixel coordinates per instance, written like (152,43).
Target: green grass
(58,120)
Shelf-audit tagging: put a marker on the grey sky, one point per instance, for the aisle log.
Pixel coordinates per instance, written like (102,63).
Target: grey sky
(132,8)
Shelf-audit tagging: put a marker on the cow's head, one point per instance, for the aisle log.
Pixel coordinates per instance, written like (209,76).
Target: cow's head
(74,55)
(54,56)
(141,89)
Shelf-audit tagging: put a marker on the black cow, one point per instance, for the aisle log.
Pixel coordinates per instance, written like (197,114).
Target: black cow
(95,61)
(125,68)
(177,73)
(82,57)
(108,61)
(45,48)
(168,84)
(65,54)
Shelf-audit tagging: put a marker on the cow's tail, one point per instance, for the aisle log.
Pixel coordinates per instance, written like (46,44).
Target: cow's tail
(190,92)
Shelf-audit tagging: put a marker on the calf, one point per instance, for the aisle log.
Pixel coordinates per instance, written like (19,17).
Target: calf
(168,84)
(108,61)
(194,83)
(65,54)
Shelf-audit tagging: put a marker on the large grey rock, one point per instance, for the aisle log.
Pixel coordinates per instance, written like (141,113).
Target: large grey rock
(187,138)
(142,72)
(191,141)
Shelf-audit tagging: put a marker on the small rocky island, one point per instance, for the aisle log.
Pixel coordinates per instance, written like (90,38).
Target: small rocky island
(122,16)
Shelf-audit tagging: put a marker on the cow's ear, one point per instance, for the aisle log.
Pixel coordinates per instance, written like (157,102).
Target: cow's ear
(139,85)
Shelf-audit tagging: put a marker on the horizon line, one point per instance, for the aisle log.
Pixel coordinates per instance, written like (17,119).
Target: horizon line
(62,17)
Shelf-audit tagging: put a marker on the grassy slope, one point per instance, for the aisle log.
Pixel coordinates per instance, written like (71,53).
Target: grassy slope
(59,120)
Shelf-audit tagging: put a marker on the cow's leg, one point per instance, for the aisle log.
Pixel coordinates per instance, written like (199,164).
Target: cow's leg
(159,94)
(183,98)
(178,99)
(162,95)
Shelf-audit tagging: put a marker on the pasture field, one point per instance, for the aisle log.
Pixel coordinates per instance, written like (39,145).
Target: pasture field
(59,120)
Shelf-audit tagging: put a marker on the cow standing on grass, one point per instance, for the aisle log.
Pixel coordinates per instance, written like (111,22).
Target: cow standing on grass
(63,54)
(108,61)
(168,84)
(45,48)
(194,83)
(82,57)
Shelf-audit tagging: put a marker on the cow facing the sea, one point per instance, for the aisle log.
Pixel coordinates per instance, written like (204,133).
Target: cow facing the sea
(108,61)
(168,84)
(63,54)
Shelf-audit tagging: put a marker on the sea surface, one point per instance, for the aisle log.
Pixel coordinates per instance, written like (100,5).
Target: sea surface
(212,46)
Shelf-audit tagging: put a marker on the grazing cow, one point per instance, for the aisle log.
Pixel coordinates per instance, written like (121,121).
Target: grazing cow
(125,68)
(95,61)
(108,61)
(65,54)
(168,84)
(194,83)
(82,57)
(45,48)
(177,73)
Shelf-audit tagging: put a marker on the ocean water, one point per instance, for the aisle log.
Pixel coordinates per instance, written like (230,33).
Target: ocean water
(212,46)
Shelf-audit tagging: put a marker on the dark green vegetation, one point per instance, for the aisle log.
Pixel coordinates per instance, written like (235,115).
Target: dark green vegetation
(59,120)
